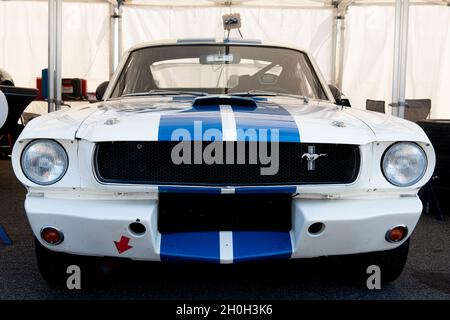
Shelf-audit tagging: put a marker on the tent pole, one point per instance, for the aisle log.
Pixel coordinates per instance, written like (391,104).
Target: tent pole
(51,56)
(396,71)
(341,18)
(115,49)
(119,30)
(404,54)
(400,54)
(54,54)
(342,8)
(334,35)
(112,40)
(58,58)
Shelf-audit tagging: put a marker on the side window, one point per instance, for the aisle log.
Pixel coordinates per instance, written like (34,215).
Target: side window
(122,81)
(304,82)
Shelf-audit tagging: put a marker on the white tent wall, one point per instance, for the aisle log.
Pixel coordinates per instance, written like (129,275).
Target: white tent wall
(305,28)
(85,41)
(368,61)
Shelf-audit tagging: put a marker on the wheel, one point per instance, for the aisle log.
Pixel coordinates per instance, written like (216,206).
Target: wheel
(390,262)
(53,267)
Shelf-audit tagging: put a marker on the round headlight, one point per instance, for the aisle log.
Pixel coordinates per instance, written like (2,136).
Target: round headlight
(404,164)
(44,162)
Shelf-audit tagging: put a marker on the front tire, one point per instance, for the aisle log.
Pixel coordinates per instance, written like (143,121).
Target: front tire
(53,266)
(390,262)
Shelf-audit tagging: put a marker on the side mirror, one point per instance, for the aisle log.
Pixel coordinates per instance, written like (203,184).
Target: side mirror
(345,102)
(101,89)
(337,95)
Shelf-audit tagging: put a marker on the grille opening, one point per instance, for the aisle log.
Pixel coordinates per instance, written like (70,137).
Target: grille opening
(178,212)
(150,162)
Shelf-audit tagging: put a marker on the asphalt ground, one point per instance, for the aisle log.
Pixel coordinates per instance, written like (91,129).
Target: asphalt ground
(426,275)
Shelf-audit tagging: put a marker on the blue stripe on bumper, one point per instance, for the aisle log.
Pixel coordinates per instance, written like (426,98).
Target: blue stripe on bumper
(261,245)
(190,246)
(4,237)
(205,246)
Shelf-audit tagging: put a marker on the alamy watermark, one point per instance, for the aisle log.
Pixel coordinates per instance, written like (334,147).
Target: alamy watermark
(262,144)
(74,279)
(374,279)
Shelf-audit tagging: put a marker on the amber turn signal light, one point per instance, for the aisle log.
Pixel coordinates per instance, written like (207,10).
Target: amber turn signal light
(52,235)
(396,234)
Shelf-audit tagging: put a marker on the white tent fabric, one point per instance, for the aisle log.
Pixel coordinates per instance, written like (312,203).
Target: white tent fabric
(305,28)
(85,47)
(240,3)
(368,59)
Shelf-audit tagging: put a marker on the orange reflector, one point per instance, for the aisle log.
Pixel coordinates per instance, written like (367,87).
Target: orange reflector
(51,235)
(397,234)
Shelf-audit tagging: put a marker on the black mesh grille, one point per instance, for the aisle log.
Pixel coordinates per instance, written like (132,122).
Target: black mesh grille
(150,162)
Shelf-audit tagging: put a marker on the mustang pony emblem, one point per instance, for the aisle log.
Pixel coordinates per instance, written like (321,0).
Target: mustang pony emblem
(312,156)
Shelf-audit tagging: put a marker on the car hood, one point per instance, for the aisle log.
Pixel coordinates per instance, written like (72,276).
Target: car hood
(158,118)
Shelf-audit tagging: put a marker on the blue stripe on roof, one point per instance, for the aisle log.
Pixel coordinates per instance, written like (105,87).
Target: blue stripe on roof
(183,98)
(258,245)
(188,40)
(225,40)
(190,246)
(238,40)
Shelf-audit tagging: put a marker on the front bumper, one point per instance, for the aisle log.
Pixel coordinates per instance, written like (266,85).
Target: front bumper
(93,226)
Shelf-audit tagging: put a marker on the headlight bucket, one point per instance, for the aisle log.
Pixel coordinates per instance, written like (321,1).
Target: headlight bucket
(44,162)
(404,164)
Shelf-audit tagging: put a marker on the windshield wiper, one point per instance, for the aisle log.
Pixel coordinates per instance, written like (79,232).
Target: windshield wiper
(160,92)
(269,94)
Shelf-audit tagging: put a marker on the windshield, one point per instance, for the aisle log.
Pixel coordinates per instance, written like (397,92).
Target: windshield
(218,69)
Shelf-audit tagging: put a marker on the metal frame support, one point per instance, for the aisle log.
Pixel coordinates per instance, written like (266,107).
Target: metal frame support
(338,40)
(51,56)
(340,75)
(400,58)
(54,54)
(334,36)
(116,40)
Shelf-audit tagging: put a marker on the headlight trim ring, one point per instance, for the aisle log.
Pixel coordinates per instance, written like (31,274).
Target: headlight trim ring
(412,182)
(55,143)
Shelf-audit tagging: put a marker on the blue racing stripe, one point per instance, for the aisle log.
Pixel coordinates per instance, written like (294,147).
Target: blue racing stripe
(266,117)
(176,189)
(190,40)
(194,121)
(257,245)
(275,189)
(183,98)
(4,237)
(190,246)
(239,40)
